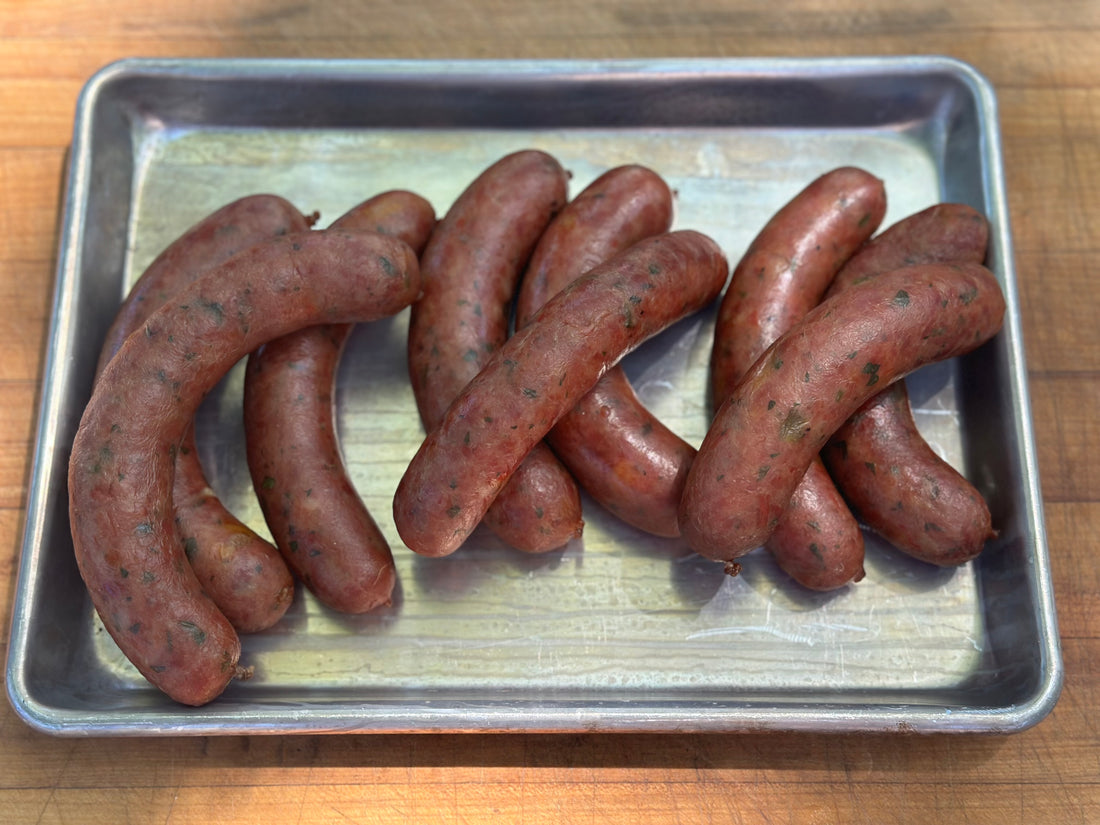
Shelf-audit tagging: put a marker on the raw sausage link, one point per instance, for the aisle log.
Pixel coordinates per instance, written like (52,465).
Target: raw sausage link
(536,377)
(895,481)
(780,278)
(902,489)
(615,448)
(811,380)
(789,265)
(244,574)
(942,233)
(817,540)
(311,506)
(471,269)
(620,452)
(125,538)
(619,208)
(222,234)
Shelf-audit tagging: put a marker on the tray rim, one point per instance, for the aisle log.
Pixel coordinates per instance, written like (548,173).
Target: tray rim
(612,716)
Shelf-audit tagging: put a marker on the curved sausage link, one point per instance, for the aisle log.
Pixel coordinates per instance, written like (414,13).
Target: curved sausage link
(618,451)
(942,233)
(626,458)
(817,540)
(243,573)
(125,537)
(622,206)
(812,379)
(782,276)
(528,384)
(902,489)
(311,506)
(896,483)
(220,235)
(471,269)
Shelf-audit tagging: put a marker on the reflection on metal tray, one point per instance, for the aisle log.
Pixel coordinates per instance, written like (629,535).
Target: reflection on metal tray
(618,631)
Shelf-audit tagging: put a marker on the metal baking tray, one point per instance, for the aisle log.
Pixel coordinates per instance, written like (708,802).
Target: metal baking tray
(618,631)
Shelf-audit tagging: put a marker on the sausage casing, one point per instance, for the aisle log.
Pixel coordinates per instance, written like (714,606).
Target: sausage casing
(628,461)
(893,479)
(902,489)
(471,269)
(942,233)
(800,391)
(242,572)
(312,508)
(537,376)
(783,275)
(125,538)
(788,267)
(220,235)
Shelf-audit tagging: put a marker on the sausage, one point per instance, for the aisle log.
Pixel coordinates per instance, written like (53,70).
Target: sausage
(243,573)
(528,384)
(225,232)
(622,206)
(811,380)
(471,269)
(901,489)
(626,458)
(311,506)
(817,540)
(896,483)
(125,539)
(615,448)
(789,265)
(782,276)
(941,233)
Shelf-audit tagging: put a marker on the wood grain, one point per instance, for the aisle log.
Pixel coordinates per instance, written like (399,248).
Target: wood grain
(1043,60)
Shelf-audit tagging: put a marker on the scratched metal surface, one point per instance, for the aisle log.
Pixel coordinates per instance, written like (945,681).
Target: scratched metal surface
(619,630)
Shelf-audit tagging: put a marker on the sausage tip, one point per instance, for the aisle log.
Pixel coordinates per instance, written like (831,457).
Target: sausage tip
(243,674)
